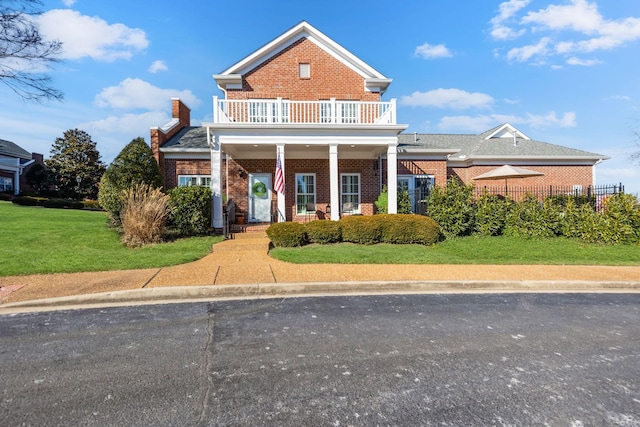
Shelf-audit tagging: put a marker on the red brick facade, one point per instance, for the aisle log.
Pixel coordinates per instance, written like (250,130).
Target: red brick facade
(564,175)
(278,77)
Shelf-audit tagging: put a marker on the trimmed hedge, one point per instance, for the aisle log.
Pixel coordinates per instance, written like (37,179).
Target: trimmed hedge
(287,234)
(62,204)
(364,230)
(28,201)
(407,229)
(322,231)
(190,209)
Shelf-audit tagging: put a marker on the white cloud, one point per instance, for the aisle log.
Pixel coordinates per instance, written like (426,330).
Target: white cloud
(576,26)
(484,122)
(523,54)
(86,36)
(68,3)
(429,51)
(583,62)
(508,9)
(137,93)
(448,98)
(156,66)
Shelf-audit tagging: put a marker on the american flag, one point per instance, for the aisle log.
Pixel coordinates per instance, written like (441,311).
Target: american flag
(279,181)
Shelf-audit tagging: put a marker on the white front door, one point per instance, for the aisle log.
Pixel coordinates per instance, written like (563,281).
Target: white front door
(260,197)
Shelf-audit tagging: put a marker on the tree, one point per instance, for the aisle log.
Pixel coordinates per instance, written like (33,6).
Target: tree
(24,54)
(40,178)
(134,165)
(75,156)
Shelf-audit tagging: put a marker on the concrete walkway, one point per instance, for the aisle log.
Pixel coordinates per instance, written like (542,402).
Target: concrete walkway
(241,267)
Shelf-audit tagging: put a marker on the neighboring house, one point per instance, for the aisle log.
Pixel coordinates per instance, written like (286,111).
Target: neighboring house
(306,103)
(14,163)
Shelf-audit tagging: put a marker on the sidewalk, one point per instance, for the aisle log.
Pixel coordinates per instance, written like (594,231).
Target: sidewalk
(241,267)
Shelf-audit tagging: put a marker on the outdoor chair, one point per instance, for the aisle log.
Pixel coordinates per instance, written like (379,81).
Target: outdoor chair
(310,210)
(347,208)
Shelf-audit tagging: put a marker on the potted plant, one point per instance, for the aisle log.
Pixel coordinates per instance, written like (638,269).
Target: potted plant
(240,217)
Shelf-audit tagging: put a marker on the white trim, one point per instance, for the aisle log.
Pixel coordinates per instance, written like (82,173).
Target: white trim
(359,175)
(507,129)
(315,190)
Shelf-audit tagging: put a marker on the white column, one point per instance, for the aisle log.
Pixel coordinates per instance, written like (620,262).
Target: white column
(282,201)
(334,182)
(216,181)
(392,178)
(16,182)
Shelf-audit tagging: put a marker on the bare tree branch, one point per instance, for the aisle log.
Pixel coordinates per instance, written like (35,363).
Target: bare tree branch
(24,55)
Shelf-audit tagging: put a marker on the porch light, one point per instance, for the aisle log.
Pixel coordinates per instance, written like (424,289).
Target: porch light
(328,210)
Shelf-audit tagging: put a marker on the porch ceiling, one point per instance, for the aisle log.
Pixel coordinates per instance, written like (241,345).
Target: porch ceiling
(304,151)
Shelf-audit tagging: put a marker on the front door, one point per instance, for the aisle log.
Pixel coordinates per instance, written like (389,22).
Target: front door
(260,197)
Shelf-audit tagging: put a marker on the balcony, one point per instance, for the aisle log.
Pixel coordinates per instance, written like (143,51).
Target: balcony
(284,111)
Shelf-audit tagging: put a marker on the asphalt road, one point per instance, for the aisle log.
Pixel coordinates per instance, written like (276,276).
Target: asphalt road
(453,360)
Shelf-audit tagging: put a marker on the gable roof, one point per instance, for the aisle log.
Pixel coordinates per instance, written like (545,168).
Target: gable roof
(232,76)
(11,149)
(496,144)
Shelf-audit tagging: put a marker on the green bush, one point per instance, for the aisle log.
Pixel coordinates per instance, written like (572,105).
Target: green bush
(28,201)
(403,199)
(360,229)
(453,208)
(62,204)
(190,209)
(407,229)
(287,234)
(619,221)
(491,214)
(92,205)
(323,231)
(6,197)
(530,218)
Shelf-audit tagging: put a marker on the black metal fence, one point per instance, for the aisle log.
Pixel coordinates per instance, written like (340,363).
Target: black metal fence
(592,194)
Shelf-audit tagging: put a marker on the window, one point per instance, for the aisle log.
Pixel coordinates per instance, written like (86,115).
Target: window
(304,71)
(266,111)
(6,184)
(305,191)
(193,180)
(258,112)
(350,191)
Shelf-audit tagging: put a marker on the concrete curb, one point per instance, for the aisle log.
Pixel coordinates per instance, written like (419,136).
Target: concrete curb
(284,290)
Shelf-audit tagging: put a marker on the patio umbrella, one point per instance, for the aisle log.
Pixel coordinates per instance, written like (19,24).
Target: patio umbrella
(507,172)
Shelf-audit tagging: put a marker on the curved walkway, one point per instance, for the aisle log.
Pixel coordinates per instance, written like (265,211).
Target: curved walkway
(242,266)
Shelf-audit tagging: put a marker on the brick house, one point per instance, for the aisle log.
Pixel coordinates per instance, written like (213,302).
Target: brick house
(306,103)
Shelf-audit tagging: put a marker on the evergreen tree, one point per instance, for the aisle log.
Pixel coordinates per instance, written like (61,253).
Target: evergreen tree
(134,165)
(75,155)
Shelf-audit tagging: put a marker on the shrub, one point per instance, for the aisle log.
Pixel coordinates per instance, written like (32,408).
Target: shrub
(6,197)
(619,222)
(92,205)
(407,228)
(453,208)
(134,165)
(287,234)
(360,229)
(62,204)
(403,202)
(191,209)
(28,200)
(144,215)
(530,218)
(323,231)
(491,214)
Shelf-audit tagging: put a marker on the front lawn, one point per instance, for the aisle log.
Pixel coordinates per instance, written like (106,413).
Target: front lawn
(467,250)
(37,240)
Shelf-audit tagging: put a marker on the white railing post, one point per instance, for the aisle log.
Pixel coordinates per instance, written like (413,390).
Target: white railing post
(215,110)
(393,111)
(334,111)
(279,109)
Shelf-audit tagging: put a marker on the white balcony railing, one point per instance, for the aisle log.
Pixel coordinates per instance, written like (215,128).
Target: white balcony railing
(283,111)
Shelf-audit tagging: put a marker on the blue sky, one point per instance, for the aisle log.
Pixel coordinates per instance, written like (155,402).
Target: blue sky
(561,71)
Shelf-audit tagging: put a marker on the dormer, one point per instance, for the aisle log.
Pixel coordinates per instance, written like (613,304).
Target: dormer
(506,131)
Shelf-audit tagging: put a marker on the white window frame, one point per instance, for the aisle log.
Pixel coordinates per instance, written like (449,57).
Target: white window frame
(349,111)
(194,180)
(6,183)
(301,209)
(304,70)
(358,194)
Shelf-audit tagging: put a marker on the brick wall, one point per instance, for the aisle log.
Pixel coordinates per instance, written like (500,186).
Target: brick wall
(175,167)
(158,137)
(553,176)
(278,77)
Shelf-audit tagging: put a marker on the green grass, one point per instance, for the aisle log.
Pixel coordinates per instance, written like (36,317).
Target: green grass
(468,250)
(38,240)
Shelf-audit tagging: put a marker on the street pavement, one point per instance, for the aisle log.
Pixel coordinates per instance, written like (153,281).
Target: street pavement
(382,360)
(242,268)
